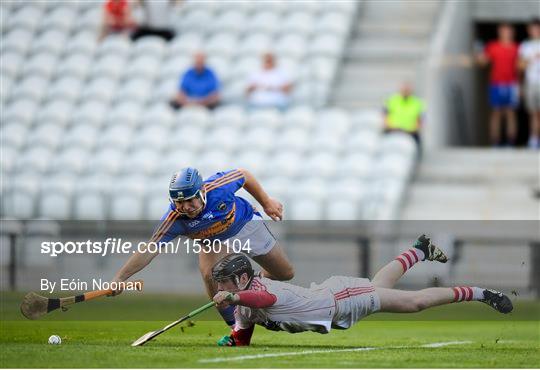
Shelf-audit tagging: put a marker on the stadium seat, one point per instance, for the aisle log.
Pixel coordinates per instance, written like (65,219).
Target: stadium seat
(225,138)
(322,164)
(89,206)
(398,142)
(66,88)
(13,134)
(263,22)
(268,118)
(82,136)
(100,89)
(252,160)
(232,21)
(368,120)
(109,66)
(149,46)
(335,23)
(185,45)
(243,68)
(60,18)
(42,64)
(189,137)
(165,91)
(300,23)
(223,44)
(118,46)
(144,66)
(90,111)
(154,137)
(26,18)
(45,134)
(157,114)
(196,21)
(356,164)
(326,45)
(8,159)
(82,43)
(135,90)
(342,210)
(116,137)
(36,160)
(229,116)
(58,111)
(234,93)
(364,142)
(128,113)
(144,161)
(212,161)
(108,160)
(221,67)
(11,64)
(155,206)
(255,44)
(299,117)
(259,138)
(175,159)
(291,45)
(75,65)
(20,204)
(52,41)
(54,206)
(293,138)
(21,111)
(351,188)
(322,141)
(308,209)
(30,88)
(195,116)
(90,20)
(286,164)
(72,160)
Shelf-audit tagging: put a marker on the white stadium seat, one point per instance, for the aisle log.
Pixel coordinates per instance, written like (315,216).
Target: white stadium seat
(368,120)
(66,88)
(286,164)
(61,18)
(266,118)
(108,160)
(398,142)
(230,21)
(301,23)
(90,20)
(149,46)
(195,116)
(175,158)
(156,205)
(42,64)
(82,43)
(144,161)
(212,161)
(342,210)
(36,159)
(305,209)
(101,89)
(145,66)
(229,116)
(189,137)
(357,165)
(109,66)
(196,21)
(225,138)
(75,65)
(52,41)
(119,46)
(56,111)
(362,142)
(326,45)
(54,206)
(72,160)
(26,18)
(33,88)
(90,111)
(157,114)
(45,134)
(263,22)
(82,136)
(293,138)
(13,134)
(299,117)
(186,44)
(135,90)
(222,44)
(116,136)
(291,45)
(11,63)
(335,23)
(321,164)
(255,44)
(90,206)
(151,137)
(259,138)
(22,111)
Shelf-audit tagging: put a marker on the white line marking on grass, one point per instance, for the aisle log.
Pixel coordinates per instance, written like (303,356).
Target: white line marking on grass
(310,352)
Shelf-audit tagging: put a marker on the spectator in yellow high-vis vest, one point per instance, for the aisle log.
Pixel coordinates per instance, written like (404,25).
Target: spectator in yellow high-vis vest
(404,112)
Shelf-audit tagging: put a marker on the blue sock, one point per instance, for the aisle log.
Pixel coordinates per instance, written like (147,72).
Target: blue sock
(228,314)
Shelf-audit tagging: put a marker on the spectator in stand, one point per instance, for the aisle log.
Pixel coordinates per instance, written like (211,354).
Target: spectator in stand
(404,112)
(502,54)
(156,19)
(198,86)
(117,18)
(270,87)
(529,53)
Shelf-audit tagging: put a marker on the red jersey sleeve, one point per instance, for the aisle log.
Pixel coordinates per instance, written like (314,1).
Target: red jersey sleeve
(256,299)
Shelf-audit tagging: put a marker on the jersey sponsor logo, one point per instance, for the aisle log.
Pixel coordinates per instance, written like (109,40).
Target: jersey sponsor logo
(194,223)
(208,216)
(217,227)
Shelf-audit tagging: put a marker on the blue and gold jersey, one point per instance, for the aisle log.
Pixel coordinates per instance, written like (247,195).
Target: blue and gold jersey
(222,217)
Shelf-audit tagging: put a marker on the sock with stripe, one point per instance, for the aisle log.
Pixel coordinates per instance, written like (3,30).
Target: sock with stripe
(228,314)
(467,293)
(409,258)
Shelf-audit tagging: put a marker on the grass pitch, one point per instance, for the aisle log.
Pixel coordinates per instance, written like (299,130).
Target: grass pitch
(99,334)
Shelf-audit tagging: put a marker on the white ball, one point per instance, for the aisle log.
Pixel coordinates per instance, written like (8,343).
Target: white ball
(55,339)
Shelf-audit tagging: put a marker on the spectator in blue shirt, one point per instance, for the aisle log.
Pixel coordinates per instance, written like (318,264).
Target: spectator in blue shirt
(198,86)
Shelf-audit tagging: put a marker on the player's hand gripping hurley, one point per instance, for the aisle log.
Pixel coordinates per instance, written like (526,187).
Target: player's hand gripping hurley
(151,335)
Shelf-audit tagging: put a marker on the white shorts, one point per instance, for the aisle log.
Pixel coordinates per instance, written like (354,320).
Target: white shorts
(355,299)
(256,233)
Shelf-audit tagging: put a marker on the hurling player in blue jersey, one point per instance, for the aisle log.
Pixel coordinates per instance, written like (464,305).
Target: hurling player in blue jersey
(210,210)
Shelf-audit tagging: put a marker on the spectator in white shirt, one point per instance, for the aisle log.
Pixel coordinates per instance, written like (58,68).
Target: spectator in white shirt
(529,56)
(270,87)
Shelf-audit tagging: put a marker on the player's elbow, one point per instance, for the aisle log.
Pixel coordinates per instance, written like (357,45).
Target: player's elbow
(286,274)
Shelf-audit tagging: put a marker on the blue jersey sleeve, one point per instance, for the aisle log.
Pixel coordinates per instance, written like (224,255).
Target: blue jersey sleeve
(229,181)
(167,228)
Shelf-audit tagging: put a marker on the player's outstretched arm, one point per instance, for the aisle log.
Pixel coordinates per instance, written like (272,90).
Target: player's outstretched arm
(272,207)
(134,264)
(246,298)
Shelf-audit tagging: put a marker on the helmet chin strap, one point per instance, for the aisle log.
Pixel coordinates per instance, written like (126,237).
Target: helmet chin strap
(237,281)
(202,196)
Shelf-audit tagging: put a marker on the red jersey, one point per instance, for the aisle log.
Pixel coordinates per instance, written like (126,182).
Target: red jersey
(118,10)
(503,59)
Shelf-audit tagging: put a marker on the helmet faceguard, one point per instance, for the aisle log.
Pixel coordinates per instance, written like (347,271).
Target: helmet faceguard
(185,185)
(232,267)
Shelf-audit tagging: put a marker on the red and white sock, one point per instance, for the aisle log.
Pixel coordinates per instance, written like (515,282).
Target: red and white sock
(409,258)
(467,293)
